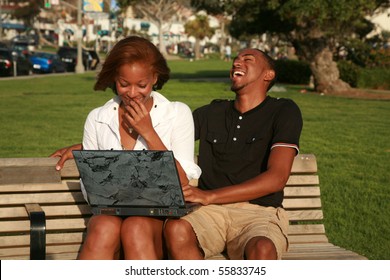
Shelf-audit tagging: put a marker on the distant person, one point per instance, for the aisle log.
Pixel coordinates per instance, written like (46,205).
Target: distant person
(246,151)
(228,53)
(137,118)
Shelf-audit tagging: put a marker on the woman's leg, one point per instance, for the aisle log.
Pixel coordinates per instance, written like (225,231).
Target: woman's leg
(142,238)
(103,238)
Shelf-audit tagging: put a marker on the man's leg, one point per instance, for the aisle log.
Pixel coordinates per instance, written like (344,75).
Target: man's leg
(181,241)
(260,248)
(257,232)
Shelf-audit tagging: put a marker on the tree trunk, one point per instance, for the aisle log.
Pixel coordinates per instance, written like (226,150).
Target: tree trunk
(161,45)
(197,49)
(222,40)
(326,74)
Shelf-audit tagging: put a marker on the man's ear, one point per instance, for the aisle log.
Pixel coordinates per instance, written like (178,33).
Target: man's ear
(269,75)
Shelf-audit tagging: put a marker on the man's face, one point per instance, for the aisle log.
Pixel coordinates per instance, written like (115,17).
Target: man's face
(247,70)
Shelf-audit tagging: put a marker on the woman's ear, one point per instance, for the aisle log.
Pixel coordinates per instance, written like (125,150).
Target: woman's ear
(155,82)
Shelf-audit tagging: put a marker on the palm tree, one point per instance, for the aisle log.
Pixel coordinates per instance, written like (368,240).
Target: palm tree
(200,29)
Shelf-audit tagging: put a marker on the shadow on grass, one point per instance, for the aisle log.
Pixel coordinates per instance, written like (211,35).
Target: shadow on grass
(204,74)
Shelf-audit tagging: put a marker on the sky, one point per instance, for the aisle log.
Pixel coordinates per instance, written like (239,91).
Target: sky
(114,6)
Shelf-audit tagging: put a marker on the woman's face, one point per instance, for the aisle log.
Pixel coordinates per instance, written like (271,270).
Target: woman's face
(135,82)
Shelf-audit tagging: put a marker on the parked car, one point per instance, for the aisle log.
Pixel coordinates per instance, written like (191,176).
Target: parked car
(4,45)
(69,56)
(43,62)
(8,59)
(22,47)
(31,41)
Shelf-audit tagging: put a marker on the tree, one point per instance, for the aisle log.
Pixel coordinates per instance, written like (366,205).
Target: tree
(222,10)
(27,11)
(314,27)
(157,12)
(200,29)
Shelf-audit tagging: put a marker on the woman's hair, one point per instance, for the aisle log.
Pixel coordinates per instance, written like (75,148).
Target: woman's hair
(130,50)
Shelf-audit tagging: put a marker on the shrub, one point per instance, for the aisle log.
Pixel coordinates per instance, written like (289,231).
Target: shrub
(349,72)
(378,78)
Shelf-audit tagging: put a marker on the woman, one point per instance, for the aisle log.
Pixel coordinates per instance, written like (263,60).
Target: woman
(137,118)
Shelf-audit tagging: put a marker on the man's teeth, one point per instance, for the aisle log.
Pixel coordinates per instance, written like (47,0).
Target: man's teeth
(238,73)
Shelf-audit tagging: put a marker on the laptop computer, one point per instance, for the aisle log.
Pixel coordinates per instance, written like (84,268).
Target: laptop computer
(132,183)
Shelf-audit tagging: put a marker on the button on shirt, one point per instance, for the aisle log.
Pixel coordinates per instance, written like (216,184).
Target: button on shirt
(172,121)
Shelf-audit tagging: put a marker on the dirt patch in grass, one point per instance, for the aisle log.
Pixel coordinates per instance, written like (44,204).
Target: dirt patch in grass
(365,94)
(362,94)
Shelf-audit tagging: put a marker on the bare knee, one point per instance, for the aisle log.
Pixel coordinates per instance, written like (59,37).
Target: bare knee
(178,232)
(140,228)
(103,238)
(142,238)
(181,241)
(104,227)
(135,226)
(260,248)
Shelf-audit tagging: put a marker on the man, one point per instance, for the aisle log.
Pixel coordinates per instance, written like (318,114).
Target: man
(246,150)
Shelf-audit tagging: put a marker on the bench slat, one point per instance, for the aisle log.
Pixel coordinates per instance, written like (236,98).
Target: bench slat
(65,256)
(306,229)
(301,192)
(51,239)
(50,211)
(28,170)
(70,170)
(336,254)
(25,251)
(51,225)
(41,198)
(41,187)
(302,180)
(304,163)
(301,203)
(305,215)
(308,239)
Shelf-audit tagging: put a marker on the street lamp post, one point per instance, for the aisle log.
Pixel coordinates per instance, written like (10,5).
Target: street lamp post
(1,20)
(79,65)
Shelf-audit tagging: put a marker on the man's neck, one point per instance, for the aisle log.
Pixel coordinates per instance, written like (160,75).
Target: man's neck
(246,102)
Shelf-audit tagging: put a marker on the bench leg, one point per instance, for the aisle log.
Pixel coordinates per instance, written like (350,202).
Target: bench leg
(37,231)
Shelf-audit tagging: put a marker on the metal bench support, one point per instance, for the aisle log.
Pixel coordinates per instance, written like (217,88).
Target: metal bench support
(37,231)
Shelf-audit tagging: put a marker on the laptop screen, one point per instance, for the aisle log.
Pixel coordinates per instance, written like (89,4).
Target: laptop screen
(129,178)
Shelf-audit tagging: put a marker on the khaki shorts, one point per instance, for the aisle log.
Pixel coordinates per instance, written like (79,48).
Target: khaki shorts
(229,227)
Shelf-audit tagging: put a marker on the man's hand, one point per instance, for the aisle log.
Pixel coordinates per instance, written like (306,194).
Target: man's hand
(194,194)
(65,154)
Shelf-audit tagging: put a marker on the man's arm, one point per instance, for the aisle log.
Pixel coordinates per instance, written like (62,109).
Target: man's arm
(270,181)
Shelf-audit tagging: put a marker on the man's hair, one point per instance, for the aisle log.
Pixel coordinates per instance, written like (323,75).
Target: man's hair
(130,50)
(271,66)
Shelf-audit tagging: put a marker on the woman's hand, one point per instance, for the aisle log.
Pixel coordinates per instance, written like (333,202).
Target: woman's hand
(65,154)
(137,117)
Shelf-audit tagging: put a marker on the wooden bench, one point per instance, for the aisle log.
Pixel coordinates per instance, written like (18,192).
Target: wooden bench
(43,214)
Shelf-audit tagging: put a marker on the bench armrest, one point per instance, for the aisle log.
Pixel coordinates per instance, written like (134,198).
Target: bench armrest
(37,231)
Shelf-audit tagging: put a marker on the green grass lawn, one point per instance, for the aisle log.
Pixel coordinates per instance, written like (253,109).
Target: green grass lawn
(349,137)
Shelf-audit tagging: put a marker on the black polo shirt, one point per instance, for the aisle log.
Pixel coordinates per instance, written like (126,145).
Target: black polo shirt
(235,147)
